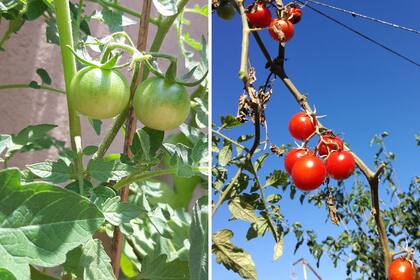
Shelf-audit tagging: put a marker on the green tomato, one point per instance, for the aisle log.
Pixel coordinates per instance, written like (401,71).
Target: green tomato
(99,93)
(160,104)
(226,10)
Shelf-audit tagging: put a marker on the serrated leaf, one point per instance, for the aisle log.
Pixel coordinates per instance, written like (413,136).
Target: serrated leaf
(201,112)
(225,155)
(52,171)
(103,170)
(147,141)
(166,7)
(198,263)
(118,213)
(5,141)
(95,262)
(37,227)
(229,121)
(242,209)
(232,257)
(277,178)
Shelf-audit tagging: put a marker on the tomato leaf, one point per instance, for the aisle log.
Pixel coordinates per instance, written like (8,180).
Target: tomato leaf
(43,74)
(106,170)
(198,257)
(37,222)
(38,275)
(6,275)
(278,249)
(232,257)
(96,125)
(118,213)
(52,171)
(95,261)
(225,155)
(157,267)
(242,209)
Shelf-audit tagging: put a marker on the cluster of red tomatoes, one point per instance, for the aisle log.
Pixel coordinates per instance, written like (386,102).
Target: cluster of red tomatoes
(281,29)
(259,16)
(308,168)
(402,269)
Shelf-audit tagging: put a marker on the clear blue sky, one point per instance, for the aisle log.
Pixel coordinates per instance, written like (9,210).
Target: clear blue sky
(362,89)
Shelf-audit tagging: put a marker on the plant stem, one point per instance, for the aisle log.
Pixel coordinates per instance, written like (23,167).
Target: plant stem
(229,140)
(142,176)
(16,86)
(78,21)
(243,71)
(63,19)
(226,191)
(117,241)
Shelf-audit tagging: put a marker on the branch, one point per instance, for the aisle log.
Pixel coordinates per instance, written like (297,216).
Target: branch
(277,67)
(117,240)
(17,86)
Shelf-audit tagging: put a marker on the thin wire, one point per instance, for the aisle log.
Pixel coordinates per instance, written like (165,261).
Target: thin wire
(362,35)
(354,14)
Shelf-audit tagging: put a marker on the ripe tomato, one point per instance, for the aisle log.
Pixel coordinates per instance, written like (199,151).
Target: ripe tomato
(284,26)
(292,156)
(301,126)
(308,173)
(259,15)
(160,104)
(332,143)
(402,269)
(340,165)
(295,14)
(226,10)
(99,93)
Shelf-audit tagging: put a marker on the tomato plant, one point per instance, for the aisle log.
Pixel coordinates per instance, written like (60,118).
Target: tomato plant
(259,15)
(99,93)
(340,165)
(281,29)
(301,126)
(161,104)
(402,269)
(139,211)
(308,173)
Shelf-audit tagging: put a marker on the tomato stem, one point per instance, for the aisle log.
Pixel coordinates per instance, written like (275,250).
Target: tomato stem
(16,86)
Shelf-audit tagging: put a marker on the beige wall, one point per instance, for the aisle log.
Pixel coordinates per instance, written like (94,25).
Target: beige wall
(27,51)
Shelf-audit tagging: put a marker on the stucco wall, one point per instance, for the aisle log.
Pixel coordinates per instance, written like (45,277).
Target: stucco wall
(28,50)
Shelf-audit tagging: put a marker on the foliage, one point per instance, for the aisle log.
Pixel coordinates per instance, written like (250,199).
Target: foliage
(54,214)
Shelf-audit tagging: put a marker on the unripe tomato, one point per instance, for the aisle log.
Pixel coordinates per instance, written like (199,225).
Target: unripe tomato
(284,26)
(160,104)
(292,156)
(301,126)
(340,165)
(331,143)
(295,14)
(259,15)
(226,10)
(99,93)
(308,173)
(402,269)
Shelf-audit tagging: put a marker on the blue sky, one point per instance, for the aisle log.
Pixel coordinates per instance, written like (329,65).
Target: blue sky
(362,89)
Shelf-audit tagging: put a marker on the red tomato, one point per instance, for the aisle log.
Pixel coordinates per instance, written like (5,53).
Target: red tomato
(301,126)
(340,165)
(278,26)
(259,15)
(292,156)
(402,269)
(295,14)
(308,173)
(333,143)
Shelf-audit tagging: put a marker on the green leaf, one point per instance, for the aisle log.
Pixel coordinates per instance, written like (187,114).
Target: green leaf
(128,267)
(32,133)
(34,85)
(242,209)
(229,121)
(74,187)
(5,141)
(46,79)
(118,213)
(6,275)
(95,262)
(278,249)
(35,9)
(156,267)
(96,125)
(90,150)
(166,7)
(204,10)
(191,41)
(277,178)
(38,275)
(52,171)
(232,257)
(104,171)
(52,32)
(225,155)
(200,106)
(198,257)
(41,223)
(147,142)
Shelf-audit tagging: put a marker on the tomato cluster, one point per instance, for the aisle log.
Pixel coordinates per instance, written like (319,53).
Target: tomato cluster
(281,28)
(307,169)
(402,269)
